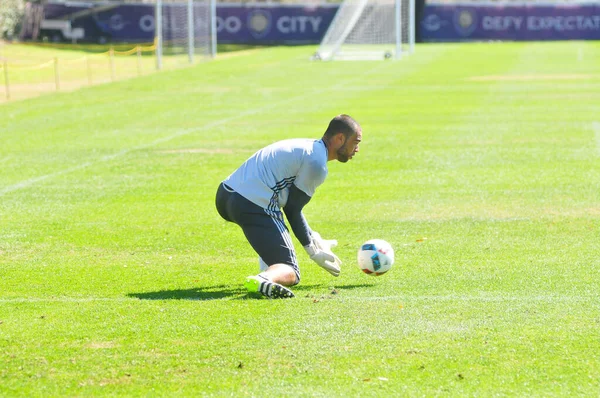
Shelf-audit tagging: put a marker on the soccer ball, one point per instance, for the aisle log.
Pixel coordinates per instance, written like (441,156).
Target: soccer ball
(375,257)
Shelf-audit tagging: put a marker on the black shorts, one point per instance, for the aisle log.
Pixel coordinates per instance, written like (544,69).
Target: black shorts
(264,229)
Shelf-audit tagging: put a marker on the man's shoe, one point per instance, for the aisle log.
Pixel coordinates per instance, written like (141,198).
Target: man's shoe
(258,284)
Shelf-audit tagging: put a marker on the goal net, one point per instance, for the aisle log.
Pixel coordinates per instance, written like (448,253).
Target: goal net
(185,30)
(369,29)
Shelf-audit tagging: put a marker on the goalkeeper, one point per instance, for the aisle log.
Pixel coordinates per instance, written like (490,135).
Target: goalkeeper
(285,175)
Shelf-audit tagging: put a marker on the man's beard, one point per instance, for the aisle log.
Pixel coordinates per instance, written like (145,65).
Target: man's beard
(342,156)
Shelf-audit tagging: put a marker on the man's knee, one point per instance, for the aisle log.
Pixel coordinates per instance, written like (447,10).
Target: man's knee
(297,280)
(294,275)
(284,274)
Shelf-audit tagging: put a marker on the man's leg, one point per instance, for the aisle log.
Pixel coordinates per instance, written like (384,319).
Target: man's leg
(262,284)
(273,243)
(269,237)
(272,280)
(282,274)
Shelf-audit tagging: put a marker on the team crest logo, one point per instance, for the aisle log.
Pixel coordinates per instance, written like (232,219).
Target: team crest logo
(259,23)
(465,21)
(432,23)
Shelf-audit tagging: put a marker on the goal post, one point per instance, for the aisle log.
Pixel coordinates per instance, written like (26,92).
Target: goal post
(369,30)
(185,31)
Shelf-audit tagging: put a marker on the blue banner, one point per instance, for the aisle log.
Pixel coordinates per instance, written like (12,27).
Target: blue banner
(299,24)
(254,24)
(510,22)
(241,24)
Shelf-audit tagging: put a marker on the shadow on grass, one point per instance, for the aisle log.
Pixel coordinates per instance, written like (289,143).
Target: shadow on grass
(196,293)
(322,286)
(230,292)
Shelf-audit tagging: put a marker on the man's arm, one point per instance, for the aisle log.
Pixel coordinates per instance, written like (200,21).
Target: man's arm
(297,199)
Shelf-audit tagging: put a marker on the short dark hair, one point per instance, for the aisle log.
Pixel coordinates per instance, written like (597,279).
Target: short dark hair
(342,124)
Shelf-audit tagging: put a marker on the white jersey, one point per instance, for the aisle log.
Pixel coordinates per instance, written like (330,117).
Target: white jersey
(266,176)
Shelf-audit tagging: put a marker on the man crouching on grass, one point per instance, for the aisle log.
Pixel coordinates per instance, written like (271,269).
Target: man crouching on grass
(285,175)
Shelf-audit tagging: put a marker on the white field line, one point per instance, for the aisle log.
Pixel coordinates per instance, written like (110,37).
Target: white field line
(596,128)
(400,298)
(35,180)
(310,94)
(63,299)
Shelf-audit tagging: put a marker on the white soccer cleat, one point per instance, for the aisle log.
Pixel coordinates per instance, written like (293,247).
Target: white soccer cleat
(258,284)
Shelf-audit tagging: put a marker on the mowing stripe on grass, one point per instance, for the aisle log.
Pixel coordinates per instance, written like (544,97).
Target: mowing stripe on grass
(32,181)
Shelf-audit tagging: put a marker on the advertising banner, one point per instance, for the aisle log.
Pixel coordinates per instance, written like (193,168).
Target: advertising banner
(510,22)
(257,23)
(254,24)
(241,24)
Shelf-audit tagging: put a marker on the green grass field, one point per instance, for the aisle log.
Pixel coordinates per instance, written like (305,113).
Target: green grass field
(480,163)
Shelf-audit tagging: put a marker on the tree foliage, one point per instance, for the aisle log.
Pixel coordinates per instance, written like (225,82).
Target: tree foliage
(11,15)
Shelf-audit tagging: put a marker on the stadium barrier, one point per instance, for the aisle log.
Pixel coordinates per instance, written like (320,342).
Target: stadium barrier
(87,63)
(511,21)
(294,23)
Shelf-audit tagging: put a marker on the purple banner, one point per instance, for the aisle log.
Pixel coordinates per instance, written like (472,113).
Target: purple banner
(299,24)
(278,24)
(250,24)
(510,22)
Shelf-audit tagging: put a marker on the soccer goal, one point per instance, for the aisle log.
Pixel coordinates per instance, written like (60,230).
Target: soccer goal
(186,30)
(370,30)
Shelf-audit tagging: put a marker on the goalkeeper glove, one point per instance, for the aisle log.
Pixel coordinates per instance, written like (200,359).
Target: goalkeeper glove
(320,252)
(323,244)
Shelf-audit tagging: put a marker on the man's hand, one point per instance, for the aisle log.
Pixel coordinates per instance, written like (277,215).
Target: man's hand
(323,244)
(320,252)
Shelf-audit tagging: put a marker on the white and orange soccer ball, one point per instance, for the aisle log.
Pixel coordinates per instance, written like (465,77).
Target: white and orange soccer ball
(375,257)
